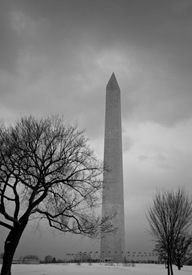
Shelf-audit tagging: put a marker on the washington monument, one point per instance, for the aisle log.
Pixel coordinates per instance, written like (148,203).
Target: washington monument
(113,245)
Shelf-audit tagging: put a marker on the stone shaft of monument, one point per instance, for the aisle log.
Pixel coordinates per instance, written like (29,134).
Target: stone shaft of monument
(113,244)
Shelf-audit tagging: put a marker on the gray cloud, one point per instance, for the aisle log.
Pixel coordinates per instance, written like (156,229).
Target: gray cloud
(159,159)
(43,38)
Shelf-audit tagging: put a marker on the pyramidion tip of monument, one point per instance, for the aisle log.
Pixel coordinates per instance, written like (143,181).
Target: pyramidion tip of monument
(112,84)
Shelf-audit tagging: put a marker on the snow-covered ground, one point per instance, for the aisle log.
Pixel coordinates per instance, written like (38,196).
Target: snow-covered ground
(95,269)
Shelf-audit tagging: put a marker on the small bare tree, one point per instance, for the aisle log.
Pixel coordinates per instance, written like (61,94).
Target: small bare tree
(47,170)
(182,251)
(169,217)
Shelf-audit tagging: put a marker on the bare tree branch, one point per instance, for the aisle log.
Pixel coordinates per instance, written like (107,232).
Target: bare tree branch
(6,225)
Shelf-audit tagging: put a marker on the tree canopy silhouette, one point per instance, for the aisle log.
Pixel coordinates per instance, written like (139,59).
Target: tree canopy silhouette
(47,170)
(170,218)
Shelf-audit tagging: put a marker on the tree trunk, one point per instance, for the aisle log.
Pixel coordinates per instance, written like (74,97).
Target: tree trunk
(171,268)
(179,264)
(10,246)
(168,268)
(170,264)
(7,262)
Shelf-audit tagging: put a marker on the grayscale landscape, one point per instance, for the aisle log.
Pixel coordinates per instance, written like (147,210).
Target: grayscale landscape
(95,137)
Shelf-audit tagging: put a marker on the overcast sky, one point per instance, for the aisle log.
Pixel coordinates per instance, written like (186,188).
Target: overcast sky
(56,57)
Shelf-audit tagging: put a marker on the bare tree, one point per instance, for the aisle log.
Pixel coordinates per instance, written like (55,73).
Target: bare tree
(169,217)
(182,251)
(47,170)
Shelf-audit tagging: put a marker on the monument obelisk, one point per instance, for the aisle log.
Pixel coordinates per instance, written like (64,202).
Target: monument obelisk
(113,245)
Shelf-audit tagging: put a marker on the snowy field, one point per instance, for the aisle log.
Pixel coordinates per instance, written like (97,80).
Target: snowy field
(95,269)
